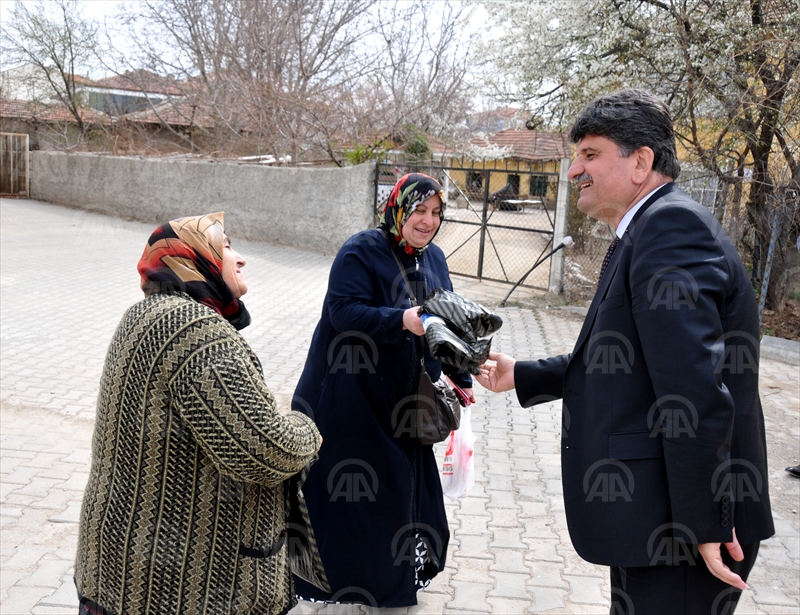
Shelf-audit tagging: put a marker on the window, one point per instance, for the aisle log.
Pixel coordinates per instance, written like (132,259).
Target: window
(538,185)
(475,184)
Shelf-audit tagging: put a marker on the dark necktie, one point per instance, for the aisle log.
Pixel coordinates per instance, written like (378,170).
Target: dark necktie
(609,252)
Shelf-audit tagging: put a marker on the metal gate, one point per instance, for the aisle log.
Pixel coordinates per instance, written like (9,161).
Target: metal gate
(498,223)
(14,173)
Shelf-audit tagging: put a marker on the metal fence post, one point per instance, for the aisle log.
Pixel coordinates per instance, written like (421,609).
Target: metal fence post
(27,167)
(556,284)
(482,247)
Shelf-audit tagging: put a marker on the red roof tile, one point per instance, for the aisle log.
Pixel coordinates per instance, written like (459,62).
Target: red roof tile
(28,110)
(173,113)
(530,144)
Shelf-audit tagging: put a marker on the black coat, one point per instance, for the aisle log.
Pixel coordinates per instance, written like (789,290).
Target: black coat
(373,486)
(663,432)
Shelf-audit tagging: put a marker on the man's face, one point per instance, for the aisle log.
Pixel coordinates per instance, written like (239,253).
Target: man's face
(604,178)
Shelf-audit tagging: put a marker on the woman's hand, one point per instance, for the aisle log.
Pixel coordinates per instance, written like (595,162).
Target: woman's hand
(469,394)
(412,322)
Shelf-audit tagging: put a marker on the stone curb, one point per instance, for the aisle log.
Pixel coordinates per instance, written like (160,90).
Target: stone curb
(780,349)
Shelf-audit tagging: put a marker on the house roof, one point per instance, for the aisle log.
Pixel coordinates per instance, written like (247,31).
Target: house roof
(529,144)
(29,110)
(173,113)
(140,81)
(494,120)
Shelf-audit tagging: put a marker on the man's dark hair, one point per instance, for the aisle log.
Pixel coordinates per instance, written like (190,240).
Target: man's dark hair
(632,119)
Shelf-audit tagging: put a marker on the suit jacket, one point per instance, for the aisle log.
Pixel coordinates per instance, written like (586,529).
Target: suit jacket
(663,443)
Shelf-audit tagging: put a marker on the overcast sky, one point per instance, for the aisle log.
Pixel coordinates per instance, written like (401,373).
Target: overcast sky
(96,10)
(99,10)
(93,8)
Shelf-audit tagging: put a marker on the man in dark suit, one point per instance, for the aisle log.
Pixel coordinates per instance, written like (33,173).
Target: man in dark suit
(663,451)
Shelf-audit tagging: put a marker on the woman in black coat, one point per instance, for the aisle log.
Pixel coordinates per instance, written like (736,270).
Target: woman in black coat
(374,496)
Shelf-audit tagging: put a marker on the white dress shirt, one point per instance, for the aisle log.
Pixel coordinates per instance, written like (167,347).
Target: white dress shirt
(626,219)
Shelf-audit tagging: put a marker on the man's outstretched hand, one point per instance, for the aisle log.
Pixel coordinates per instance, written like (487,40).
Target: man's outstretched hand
(497,374)
(711,552)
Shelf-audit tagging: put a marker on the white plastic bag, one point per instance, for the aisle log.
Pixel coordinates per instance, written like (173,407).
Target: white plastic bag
(458,469)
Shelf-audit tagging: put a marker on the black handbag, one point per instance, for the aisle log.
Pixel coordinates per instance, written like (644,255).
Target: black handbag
(438,411)
(304,558)
(436,408)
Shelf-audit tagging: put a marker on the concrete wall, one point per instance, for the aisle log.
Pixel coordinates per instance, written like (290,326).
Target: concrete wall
(314,209)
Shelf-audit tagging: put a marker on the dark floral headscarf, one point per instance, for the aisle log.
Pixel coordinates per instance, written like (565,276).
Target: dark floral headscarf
(186,255)
(407,194)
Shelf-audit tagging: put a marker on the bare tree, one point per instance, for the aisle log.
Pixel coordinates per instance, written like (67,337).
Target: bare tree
(727,68)
(54,37)
(262,70)
(303,78)
(420,82)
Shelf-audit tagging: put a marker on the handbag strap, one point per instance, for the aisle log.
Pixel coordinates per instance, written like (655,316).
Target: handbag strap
(411,296)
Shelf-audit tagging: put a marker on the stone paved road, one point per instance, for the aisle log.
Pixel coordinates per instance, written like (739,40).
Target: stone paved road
(68,275)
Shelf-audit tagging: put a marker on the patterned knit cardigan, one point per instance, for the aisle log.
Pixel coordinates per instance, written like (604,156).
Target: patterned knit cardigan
(189,455)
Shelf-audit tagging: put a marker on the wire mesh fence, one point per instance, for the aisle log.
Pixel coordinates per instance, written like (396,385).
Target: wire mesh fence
(497,222)
(584,259)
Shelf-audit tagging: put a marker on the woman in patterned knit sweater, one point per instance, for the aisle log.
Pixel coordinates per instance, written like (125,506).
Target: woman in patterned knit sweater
(184,512)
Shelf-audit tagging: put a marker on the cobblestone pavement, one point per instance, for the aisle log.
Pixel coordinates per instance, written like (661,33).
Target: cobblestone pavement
(67,276)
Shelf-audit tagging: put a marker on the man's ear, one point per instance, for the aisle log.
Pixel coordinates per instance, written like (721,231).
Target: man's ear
(644,157)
